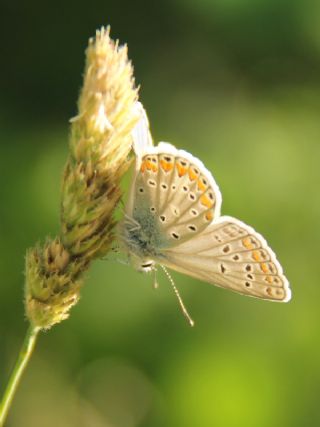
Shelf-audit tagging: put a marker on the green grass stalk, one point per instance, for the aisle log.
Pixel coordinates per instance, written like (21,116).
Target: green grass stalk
(18,370)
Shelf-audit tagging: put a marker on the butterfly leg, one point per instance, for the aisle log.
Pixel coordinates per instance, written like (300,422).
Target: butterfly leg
(155,281)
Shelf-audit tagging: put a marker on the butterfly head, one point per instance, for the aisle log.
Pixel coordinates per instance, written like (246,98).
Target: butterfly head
(144,265)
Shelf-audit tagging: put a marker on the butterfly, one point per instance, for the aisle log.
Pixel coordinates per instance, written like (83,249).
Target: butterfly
(172,219)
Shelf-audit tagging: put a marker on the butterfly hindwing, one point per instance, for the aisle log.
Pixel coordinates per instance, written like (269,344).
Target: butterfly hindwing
(232,255)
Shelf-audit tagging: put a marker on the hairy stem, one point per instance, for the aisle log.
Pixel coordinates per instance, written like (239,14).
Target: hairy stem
(23,359)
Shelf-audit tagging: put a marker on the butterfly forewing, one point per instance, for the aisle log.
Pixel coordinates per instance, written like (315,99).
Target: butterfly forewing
(177,190)
(232,255)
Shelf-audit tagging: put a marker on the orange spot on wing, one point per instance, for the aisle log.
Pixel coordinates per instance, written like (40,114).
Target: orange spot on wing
(181,170)
(209,216)
(205,201)
(201,185)
(247,243)
(166,166)
(192,175)
(269,279)
(143,167)
(149,165)
(264,267)
(256,256)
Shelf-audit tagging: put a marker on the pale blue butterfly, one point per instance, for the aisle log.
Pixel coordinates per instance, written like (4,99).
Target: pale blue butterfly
(172,219)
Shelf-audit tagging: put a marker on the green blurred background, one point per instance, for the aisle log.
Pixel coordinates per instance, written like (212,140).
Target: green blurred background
(236,83)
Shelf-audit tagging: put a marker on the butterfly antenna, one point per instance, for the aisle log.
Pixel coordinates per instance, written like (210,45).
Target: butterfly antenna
(183,308)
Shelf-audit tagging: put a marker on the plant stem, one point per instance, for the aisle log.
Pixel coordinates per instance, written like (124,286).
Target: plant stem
(23,359)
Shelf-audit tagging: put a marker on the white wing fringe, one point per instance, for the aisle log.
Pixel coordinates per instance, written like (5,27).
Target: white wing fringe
(142,139)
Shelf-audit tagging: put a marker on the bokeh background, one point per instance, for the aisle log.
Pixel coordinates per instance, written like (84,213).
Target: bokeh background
(236,83)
